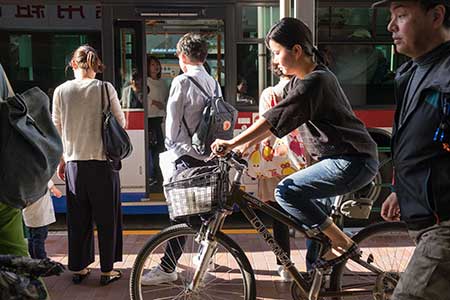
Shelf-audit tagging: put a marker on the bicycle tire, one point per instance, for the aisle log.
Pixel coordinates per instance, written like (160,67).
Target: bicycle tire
(381,235)
(249,284)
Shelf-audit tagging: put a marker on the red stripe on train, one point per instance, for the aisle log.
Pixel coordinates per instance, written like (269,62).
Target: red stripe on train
(376,118)
(371,118)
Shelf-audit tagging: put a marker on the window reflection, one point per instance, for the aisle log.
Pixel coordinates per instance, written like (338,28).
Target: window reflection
(132,92)
(40,58)
(363,71)
(257,20)
(247,74)
(253,73)
(162,38)
(358,48)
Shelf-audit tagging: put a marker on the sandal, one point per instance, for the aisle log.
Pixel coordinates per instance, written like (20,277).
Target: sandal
(77,278)
(107,279)
(352,252)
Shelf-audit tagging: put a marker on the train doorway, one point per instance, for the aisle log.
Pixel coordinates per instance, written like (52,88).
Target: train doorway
(135,42)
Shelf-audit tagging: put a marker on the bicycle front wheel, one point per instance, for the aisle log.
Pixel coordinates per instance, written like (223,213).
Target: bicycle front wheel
(386,246)
(229,275)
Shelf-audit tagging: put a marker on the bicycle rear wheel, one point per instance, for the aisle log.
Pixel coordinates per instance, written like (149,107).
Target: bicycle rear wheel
(229,277)
(389,248)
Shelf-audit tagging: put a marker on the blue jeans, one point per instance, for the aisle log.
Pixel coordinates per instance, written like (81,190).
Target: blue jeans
(298,193)
(36,241)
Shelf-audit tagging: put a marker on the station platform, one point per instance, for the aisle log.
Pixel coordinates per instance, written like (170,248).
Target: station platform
(269,284)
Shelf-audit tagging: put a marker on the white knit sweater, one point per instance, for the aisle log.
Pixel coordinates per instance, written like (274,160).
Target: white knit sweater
(77,114)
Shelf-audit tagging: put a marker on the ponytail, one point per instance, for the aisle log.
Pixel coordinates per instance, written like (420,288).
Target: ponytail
(319,57)
(87,58)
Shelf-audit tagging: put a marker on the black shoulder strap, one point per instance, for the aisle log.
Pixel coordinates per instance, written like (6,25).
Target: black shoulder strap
(105,86)
(204,93)
(199,87)
(187,128)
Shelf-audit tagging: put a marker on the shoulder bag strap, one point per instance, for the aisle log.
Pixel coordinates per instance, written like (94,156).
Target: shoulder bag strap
(199,87)
(203,92)
(108,107)
(187,128)
(216,92)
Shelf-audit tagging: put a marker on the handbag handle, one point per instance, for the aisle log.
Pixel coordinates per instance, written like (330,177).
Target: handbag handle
(108,107)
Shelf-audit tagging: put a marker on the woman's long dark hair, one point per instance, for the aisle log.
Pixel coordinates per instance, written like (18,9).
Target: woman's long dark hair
(149,60)
(289,32)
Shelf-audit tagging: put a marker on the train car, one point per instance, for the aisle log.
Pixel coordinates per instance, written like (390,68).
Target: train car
(39,36)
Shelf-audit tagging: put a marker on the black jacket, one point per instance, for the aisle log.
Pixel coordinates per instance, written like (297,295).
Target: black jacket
(318,106)
(422,166)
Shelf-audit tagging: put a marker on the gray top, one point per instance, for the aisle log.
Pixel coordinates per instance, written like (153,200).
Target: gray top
(327,124)
(186,99)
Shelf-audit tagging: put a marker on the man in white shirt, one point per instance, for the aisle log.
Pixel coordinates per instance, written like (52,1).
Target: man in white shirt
(184,111)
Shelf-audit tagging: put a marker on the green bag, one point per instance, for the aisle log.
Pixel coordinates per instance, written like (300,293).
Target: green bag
(30,147)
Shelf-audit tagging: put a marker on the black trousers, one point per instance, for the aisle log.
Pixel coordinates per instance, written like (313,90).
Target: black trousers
(175,247)
(93,195)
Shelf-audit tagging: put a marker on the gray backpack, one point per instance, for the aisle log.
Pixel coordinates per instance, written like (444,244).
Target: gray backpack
(217,122)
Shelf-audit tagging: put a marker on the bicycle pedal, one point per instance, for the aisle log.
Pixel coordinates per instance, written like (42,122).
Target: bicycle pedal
(370,258)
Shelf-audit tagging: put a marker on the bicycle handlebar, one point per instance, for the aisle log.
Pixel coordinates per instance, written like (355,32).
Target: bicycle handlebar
(236,158)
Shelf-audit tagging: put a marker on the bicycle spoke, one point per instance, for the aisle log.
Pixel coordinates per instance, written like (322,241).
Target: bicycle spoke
(225,282)
(390,250)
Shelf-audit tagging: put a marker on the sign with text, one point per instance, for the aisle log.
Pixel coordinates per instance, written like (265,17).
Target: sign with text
(51,16)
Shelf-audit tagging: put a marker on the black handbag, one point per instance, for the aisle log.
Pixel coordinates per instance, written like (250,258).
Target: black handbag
(30,147)
(116,141)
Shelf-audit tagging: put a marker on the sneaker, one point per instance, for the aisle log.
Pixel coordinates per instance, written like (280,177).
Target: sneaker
(285,275)
(157,276)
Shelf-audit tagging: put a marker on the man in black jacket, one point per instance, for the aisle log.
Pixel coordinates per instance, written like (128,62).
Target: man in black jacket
(421,30)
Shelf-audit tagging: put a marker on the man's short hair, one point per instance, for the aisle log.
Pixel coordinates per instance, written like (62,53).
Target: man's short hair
(426,4)
(194,46)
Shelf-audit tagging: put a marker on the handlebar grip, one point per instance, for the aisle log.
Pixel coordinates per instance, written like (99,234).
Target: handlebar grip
(220,149)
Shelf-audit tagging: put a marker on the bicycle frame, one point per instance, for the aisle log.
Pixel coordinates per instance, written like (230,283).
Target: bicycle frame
(242,199)
(245,201)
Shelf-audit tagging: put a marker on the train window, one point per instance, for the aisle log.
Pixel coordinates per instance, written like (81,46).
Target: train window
(342,22)
(363,70)
(129,82)
(358,48)
(253,73)
(382,19)
(163,35)
(257,20)
(40,58)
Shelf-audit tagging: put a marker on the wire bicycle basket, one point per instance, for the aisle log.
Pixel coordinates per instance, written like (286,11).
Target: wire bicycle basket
(196,191)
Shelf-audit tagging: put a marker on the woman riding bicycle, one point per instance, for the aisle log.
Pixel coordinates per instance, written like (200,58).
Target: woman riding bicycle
(315,103)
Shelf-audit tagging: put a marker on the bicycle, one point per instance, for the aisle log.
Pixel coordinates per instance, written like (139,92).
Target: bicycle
(213,266)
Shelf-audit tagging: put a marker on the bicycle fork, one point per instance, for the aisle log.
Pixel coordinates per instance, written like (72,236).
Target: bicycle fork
(207,251)
(208,247)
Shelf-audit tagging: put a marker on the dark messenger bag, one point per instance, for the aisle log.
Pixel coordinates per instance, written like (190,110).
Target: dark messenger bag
(30,147)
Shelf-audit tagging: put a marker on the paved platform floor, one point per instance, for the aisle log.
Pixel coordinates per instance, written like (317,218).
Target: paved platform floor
(269,285)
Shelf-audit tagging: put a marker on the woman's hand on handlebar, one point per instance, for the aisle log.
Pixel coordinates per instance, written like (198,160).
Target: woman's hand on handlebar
(221,147)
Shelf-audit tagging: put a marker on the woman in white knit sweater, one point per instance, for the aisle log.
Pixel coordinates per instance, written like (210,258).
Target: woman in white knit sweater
(92,187)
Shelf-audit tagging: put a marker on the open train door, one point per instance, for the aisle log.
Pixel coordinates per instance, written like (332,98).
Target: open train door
(129,70)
